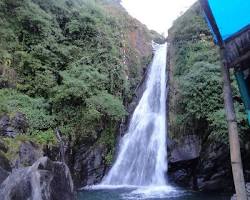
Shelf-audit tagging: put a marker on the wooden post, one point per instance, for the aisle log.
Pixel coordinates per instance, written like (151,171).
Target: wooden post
(235,154)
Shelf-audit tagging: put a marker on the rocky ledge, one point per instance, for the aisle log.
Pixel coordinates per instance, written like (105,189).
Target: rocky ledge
(200,166)
(44,180)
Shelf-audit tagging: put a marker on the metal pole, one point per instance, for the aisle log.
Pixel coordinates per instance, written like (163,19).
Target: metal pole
(235,154)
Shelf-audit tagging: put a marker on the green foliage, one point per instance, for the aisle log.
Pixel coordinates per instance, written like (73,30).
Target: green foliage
(202,89)
(108,105)
(189,26)
(36,110)
(198,81)
(108,139)
(44,137)
(69,67)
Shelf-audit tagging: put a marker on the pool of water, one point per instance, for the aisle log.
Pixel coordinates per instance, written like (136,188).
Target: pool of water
(144,193)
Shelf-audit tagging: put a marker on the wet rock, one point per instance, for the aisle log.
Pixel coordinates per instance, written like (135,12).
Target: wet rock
(44,180)
(4,162)
(183,160)
(4,124)
(188,148)
(181,177)
(19,123)
(3,174)
(5,168)
(13,126)
(89,167)
(215,168)
(207,168)
(212,185)
(3,148)
(28,154)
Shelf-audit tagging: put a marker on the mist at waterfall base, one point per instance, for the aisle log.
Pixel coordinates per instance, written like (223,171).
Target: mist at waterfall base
(139,171)
(142,156)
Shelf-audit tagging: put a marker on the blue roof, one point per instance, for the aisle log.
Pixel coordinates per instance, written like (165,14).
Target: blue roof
(231,16)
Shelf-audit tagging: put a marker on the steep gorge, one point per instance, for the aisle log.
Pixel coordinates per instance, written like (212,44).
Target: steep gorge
(199,152)
(75,66)
(71,66)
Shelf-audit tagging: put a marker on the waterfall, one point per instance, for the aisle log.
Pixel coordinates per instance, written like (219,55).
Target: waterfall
(142,157)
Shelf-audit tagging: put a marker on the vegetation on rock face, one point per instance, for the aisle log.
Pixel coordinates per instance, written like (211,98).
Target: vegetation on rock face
(196,101)
(71,64)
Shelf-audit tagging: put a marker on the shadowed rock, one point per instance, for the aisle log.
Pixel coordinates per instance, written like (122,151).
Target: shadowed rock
(44,180)
(188,148)
(28,154)
(11,127)
(5,167)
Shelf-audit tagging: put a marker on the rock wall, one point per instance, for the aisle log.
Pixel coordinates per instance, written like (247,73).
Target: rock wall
(28,118)
(204,168)
(44,180)
(199,157)
(89,165)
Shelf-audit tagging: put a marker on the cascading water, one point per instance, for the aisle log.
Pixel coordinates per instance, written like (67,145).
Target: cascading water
(139,171)
(142,157)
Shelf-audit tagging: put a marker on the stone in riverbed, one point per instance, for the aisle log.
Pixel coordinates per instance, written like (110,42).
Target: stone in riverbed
(44,180)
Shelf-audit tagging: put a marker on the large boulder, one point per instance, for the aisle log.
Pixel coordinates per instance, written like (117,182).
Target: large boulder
(11,127)
(28,154)
(89,167)
(183,159)
(5,126)
(215,168)
(187,148)
(20,123)
(203,167)
(44,180)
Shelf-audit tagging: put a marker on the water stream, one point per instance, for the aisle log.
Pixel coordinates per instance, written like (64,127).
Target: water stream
(142,157)
(139,171)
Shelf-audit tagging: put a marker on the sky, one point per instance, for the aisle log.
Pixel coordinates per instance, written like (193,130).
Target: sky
(157,14)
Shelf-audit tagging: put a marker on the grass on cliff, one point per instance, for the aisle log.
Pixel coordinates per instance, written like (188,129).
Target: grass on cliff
(62,64)
(198,107)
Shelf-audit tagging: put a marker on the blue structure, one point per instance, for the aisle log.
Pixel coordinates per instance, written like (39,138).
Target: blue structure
(231,16)
(229,21)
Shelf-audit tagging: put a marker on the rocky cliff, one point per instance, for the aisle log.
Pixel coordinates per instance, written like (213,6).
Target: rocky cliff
(199,150)
(72,66)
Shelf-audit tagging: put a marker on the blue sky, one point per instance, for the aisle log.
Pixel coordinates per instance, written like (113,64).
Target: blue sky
(157,14)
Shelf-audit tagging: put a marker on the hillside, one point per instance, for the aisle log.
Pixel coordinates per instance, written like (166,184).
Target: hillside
(196,109)
(70,65)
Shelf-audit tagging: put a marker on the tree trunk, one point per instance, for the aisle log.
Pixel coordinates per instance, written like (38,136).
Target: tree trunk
(236,162)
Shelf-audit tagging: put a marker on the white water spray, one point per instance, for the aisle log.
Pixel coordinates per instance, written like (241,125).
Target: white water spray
(142,157)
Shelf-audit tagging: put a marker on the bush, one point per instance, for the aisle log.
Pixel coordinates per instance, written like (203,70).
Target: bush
(198,106)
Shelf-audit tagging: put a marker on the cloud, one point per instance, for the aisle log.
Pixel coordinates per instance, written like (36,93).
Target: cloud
(157,14)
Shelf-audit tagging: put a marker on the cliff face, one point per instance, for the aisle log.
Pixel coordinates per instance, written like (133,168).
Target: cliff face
(199,151)
(71,65)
